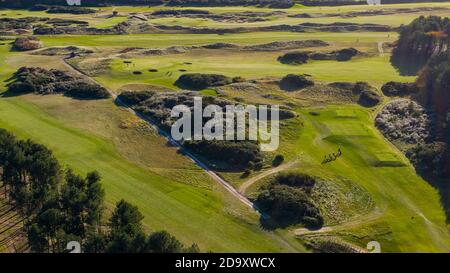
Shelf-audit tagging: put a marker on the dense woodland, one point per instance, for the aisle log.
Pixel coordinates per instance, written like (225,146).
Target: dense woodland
(287,201)
(425,45)
(41,81)
(59,206)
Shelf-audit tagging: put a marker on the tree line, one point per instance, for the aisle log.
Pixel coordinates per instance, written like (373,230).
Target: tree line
(59,206)
(424,44)
(419,41)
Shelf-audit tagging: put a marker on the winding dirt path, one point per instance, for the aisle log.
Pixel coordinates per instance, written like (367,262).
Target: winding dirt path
(352,223)
(197,161)
(260,176)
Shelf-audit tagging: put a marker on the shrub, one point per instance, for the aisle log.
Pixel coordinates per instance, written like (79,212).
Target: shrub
(287,206)
(19,88)
(404,121)
(277,160)
(70,9)
(431,159)
(238,154)
(27,43)
(346,54)
(293,82)
(132,98)
(197,81)
(369,98)
(82,89)
(393,89)
(295,179)
(294,58)
(42,81)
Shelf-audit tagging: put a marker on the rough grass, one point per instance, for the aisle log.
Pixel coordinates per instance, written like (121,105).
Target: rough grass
(407,215)
(165,40)
(250,65)
(409,205)
(208,216)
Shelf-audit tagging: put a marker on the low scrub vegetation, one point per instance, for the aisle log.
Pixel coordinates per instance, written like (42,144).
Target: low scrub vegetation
(399,89)
(41,81)
(197,81)
(286,201)
(64,9)
(294,82)
(404,121)
(342,55)
(221,154)
(294,58)
(299,57)
(236,154)
(27,43)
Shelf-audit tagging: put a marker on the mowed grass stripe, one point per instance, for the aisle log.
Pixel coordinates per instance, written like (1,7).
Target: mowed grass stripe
(192,214)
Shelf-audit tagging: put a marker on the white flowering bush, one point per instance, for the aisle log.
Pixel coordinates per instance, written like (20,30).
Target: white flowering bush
(404,121)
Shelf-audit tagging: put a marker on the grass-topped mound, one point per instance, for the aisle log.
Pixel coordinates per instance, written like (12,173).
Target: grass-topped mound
(300,57)
(63,9)
(294,58)
(27,43)
(399,89)
(235,154)
(197,81)
(293,82)
(287,201)
(41,81)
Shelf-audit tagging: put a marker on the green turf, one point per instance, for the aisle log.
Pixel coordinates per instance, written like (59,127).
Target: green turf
(192,214)
(409,216)
(410,206)
(375,70)
(164,40)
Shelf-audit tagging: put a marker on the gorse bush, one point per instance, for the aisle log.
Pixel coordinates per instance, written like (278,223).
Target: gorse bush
(293,82)
(294,58)
(197,81)
(404,121)
(287,201)
(393,89)
(431,159)
(224,154)
(295,179)
(237,154)
(41,81)
(287,206)
(27,43)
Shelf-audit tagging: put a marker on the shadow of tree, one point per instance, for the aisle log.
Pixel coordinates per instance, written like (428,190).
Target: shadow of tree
(443,187)
(408,65)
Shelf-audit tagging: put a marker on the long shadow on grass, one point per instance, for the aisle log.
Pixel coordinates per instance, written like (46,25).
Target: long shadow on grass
(443,187)
(407,66)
